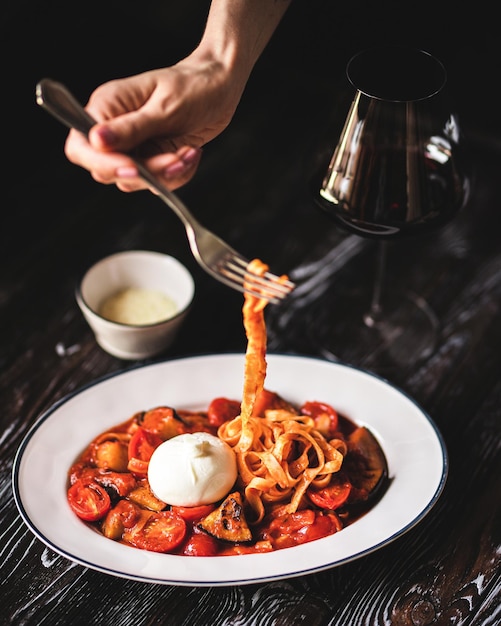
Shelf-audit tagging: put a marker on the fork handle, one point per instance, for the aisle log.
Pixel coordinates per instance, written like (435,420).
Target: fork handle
(55,98)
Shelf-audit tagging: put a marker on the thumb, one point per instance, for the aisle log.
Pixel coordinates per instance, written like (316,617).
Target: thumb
(123,133)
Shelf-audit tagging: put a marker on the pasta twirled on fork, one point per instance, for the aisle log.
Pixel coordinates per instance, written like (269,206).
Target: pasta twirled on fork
(280,454)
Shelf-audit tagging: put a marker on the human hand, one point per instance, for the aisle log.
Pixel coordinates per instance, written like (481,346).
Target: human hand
(163,117)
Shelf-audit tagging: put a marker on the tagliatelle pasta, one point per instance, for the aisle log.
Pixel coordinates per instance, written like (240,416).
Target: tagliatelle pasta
(281,454)
(255,357)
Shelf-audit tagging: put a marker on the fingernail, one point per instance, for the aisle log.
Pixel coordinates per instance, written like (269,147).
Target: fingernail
(106,135)
(191,155)
(126,172)
(174,169)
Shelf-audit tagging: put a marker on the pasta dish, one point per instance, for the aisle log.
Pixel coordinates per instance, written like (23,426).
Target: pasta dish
(302,472)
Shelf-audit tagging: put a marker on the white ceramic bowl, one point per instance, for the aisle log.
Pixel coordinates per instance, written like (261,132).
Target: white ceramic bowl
(135,269)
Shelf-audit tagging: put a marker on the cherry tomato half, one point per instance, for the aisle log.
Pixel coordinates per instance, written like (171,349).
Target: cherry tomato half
(143,444)
(193,513)
(89,500)
(300,527)
(325,416)
(157,531)
(331,497)
(200,544)
(222,410)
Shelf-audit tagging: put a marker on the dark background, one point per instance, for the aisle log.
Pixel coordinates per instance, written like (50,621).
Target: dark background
(300,76)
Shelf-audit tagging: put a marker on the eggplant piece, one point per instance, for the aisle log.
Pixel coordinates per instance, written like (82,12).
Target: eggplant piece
(365,463)
(112,455)
(164,421)
(228,522)
(143,496)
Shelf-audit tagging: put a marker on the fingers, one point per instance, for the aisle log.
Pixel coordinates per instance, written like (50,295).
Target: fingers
(130,130)
(101,165)
(180,176)
(173,169)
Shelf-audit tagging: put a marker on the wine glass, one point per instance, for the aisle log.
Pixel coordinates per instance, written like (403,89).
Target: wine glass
(398,169)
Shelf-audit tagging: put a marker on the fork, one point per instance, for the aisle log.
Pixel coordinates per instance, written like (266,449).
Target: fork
(214,255)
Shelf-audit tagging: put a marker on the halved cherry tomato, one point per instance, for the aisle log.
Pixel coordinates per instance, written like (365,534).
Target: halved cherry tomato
(193,513)
(200,544)
(143,444)
(331,497)
(222,410)
(157,531)
(300,527)
(325,416)
(89,500)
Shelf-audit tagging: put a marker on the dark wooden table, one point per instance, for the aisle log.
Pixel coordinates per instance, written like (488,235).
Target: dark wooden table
(253,189)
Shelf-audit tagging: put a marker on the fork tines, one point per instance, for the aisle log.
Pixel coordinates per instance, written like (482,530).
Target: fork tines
(268,286)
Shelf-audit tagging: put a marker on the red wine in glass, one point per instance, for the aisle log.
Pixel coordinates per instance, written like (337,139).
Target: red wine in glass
(398,169)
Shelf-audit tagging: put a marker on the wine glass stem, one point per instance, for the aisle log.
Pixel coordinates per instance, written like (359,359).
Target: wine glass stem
(375,312)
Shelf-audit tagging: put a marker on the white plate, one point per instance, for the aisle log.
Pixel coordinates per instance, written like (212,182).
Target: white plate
(413,446)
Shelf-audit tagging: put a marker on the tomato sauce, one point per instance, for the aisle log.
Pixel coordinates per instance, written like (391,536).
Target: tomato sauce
(108,486)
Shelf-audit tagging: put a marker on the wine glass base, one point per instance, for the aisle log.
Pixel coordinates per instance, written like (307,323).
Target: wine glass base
(403,334)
